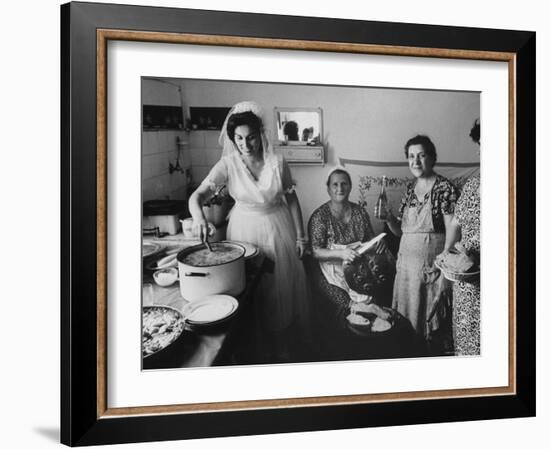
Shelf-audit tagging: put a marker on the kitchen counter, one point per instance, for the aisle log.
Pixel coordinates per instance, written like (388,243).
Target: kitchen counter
(228,343)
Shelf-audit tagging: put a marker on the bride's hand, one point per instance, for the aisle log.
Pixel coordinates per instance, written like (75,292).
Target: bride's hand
(301,247)
(200,229)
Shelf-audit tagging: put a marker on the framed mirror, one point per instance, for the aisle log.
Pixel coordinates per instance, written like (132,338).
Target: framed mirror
(299,126)
(299,134)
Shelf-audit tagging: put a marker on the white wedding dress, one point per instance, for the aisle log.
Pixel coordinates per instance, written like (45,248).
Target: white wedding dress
(261,217)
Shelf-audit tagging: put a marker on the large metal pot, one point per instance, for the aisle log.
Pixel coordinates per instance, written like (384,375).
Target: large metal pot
(203,273)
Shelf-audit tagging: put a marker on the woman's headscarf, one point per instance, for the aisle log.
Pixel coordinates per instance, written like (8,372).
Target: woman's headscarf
(339,168)
(228,145)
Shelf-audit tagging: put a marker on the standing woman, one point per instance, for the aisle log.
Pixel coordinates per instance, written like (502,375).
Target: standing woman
(420,293)
(267,214)
(466,295)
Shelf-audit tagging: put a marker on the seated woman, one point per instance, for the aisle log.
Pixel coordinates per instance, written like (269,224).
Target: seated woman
(335,229)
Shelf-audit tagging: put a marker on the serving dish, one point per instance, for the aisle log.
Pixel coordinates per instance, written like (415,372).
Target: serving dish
(150,249)
(161,327)
(458,277)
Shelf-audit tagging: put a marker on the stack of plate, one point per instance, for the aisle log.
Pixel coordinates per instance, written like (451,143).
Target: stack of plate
(250,250)
(210,310)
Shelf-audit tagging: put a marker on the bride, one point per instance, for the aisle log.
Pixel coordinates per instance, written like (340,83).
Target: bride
(266,213)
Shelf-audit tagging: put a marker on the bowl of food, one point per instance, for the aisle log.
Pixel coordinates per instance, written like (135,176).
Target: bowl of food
(456,265)
(161,327)
(166,276)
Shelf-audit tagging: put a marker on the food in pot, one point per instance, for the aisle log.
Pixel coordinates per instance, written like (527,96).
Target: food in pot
(161,327)
(219,255)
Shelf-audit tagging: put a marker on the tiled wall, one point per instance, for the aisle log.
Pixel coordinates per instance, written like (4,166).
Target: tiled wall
(159,150)
(205,152)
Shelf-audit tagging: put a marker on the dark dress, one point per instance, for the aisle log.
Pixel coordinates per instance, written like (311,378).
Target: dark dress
(466,296)
(331,304)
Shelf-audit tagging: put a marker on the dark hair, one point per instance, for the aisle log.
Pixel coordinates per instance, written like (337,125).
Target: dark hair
(247,118)
(291,130)
(475,131)
(426,143)
(339,171)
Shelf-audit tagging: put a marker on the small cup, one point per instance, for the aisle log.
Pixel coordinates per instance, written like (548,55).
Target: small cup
(165,277)
(187,229)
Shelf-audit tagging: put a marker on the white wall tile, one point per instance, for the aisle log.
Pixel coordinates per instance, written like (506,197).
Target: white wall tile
(176,179)
(211,139)
(198,156)
(212,155)
(179,194)
(147,187)
(156,165)
(167,141)
(150,142)
(162,186)
(146,167)
(199,173)
(186,157)
(197,139)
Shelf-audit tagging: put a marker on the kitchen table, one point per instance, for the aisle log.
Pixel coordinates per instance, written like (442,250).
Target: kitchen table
(227,343)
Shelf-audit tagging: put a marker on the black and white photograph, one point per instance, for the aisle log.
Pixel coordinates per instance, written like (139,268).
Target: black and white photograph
(274,224)
(309,223)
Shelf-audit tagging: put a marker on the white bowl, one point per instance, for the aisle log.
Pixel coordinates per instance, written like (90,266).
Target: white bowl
(165,277)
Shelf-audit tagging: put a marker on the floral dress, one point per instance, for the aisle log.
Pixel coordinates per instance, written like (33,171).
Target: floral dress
(466,296)
(325,231)
(419,292)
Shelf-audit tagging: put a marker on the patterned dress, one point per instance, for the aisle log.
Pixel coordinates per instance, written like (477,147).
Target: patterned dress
(324,231)
(466,296)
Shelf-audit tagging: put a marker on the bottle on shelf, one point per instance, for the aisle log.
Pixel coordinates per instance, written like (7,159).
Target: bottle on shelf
(381,206)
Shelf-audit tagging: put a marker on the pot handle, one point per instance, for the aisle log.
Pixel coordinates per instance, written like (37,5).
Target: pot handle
(196,274)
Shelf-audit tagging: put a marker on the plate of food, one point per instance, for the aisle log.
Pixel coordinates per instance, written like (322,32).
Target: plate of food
(367,319)
(149,249)
(457,266)
(161,327)
(210,310)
